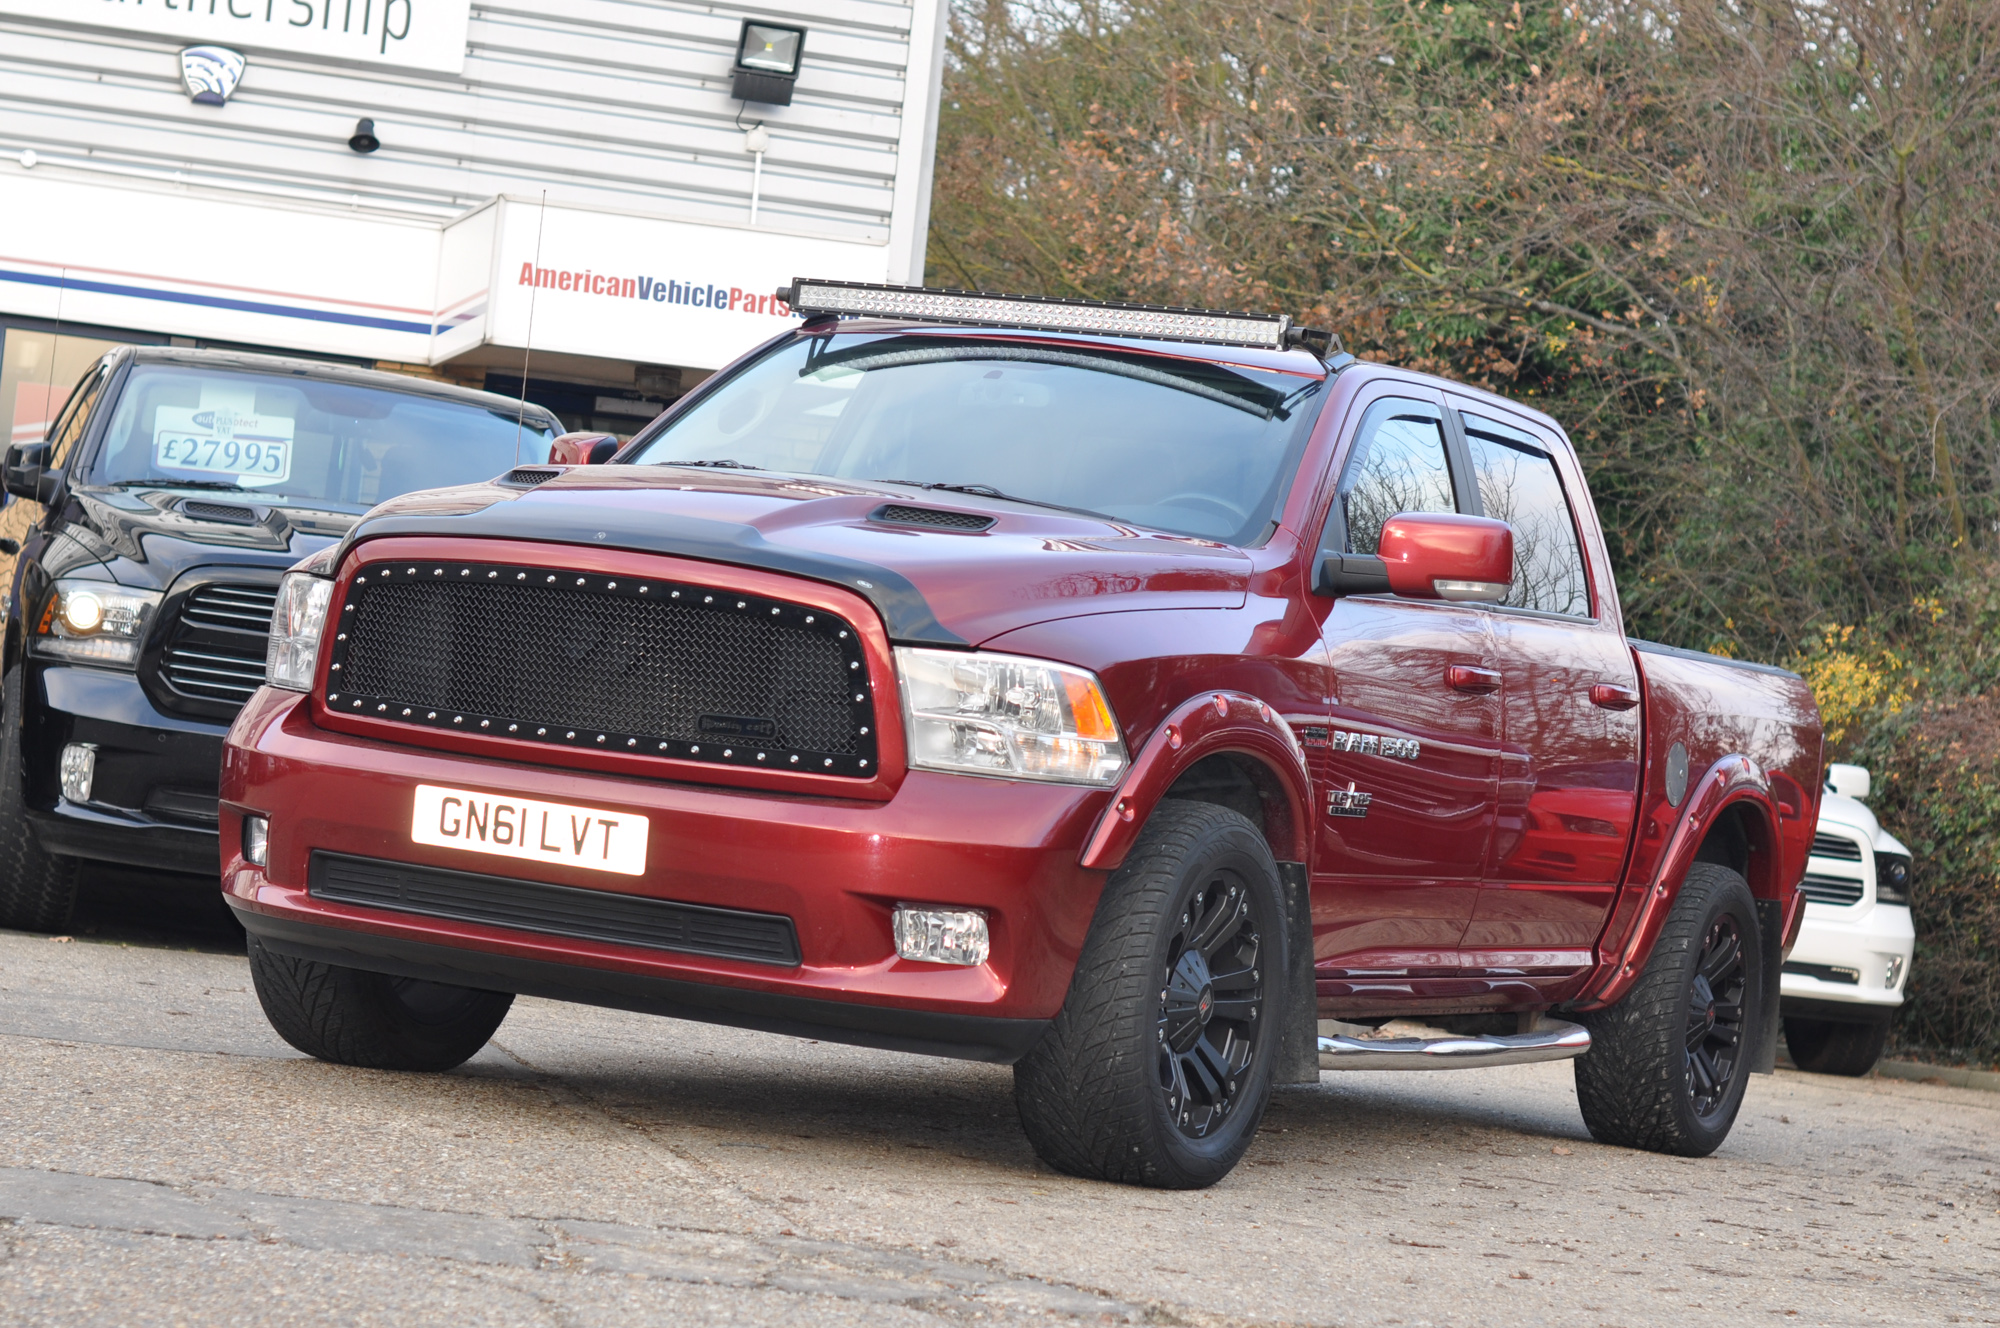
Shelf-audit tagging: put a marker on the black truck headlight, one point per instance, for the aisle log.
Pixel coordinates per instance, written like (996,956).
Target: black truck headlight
(1892,878)
(297,622)
(1019,718)
(95,622)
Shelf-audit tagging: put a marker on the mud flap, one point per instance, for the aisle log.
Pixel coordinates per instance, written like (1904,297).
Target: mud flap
(1298,1036)
(1771,940)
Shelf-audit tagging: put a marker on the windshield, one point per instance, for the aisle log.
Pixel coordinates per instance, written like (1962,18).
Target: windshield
(1176,445)
(303,438)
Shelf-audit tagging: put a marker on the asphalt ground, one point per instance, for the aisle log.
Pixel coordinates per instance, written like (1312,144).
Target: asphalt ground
(166,1159)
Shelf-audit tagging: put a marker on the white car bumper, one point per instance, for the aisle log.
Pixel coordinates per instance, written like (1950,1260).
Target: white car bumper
(1871,942)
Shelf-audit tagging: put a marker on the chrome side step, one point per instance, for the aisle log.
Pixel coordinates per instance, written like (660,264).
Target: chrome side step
(1553,1040)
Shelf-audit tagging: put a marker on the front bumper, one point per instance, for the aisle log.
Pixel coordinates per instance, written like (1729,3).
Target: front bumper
(836,867)
(1862,938)
(153,800)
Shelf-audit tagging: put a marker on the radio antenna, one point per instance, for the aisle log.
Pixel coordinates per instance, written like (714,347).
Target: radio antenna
(527,343)
(55,344)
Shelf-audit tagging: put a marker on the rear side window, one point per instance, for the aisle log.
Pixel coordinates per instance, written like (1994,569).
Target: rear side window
(1398,465)
(1518,484)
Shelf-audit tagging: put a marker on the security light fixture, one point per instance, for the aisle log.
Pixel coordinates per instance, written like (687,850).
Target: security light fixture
(1161,322)
(364,140)
(767,62)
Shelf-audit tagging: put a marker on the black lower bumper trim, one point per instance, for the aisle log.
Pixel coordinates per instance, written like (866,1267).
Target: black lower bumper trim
(559,910)
(131,842)
(1837,1012)
(926,1032)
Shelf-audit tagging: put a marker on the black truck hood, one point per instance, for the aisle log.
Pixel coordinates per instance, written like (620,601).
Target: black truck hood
(146,537)
(931,585)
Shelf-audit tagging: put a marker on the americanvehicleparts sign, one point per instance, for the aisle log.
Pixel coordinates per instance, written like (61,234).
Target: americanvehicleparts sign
(411,34)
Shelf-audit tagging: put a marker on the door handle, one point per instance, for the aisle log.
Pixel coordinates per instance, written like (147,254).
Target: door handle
(1613,697)
(1465,678)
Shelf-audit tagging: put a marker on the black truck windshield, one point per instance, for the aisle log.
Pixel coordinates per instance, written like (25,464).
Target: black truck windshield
(303,438)
(1176,445)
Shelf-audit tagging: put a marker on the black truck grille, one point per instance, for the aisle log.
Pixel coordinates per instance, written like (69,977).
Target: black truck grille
(556,910)
(217,649)
(1830,889)
(583,660)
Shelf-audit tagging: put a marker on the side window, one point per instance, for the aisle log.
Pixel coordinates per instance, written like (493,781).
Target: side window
(1518,484)
(75,416)
(1398,465)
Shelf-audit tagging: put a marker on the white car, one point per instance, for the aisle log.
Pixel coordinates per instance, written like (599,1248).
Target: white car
(1845,977)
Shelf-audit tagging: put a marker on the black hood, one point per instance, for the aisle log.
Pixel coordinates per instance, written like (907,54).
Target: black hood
(146,537)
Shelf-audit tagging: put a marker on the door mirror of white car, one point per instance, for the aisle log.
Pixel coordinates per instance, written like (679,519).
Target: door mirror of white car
(1848,780)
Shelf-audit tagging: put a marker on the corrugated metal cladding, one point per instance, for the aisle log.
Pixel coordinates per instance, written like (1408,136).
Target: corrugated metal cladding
(619,103)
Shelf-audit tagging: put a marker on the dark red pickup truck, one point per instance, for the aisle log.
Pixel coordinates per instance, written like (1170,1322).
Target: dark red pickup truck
(1140,697)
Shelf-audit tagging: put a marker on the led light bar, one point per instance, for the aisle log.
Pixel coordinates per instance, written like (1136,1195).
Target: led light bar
(1160,322)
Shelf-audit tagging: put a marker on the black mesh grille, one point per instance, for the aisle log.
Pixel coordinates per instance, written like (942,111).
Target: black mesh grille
(560,910)
(1830,889)
(899,515)
(528,476)
(611,664)
(1833,846)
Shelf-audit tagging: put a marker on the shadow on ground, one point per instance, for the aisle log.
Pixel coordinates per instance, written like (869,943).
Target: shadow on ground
(145,907)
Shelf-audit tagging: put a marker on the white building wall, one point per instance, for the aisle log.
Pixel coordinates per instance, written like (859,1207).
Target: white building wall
(605,107)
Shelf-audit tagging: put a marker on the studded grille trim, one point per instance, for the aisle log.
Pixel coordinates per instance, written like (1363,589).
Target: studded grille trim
(582,660)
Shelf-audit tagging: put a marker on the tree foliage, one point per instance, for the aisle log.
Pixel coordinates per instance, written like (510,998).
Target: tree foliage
(1748,253)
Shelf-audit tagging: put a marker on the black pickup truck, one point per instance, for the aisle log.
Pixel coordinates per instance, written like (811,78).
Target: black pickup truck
(153,525)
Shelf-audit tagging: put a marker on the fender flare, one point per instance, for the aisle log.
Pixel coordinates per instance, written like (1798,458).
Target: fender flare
(1203,726)
(1733,781)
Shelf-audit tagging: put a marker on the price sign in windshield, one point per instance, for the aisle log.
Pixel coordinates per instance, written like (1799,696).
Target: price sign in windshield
(252,450)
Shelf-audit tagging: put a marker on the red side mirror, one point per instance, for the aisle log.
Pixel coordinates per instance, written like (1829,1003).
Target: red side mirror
(582,449)
(1432,555)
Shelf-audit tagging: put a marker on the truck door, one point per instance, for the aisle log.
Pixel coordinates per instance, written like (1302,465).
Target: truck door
(1406,769)
(1569,698)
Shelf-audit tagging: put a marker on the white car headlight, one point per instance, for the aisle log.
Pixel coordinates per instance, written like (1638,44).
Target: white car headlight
(96,622)
(975,713)
(296,626)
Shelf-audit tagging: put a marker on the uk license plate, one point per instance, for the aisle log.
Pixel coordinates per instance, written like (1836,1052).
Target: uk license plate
(587,837)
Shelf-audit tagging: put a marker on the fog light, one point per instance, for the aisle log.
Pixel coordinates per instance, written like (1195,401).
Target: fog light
(1893,972)
(79,770)
(256,841)
(942,935)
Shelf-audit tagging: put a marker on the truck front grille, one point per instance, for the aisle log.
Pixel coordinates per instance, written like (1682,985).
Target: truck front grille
(626,664)
(1834,846)
(1830,889)
(216,650)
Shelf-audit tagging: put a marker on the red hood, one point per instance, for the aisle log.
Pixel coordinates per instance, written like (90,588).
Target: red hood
(1033,565)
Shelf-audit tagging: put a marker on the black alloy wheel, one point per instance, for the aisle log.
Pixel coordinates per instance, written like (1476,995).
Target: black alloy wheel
(1158,1067)
(1716,1037)
(1667,1066)
(1209,1007)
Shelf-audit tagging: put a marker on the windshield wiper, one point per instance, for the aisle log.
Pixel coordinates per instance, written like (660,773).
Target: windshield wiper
(181,484)
(724,464)
(988,491)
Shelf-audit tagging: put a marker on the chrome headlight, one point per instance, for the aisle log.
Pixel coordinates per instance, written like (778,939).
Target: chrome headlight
(975,713)
(297,624)
(96,622)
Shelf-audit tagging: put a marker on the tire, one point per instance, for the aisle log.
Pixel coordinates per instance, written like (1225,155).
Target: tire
(1158,1069)
(1822,1046)
(37,888)
(1668,1064)
(353,1017)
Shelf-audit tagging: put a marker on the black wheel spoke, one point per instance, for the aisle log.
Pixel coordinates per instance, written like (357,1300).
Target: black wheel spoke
(1697,1032)
(1201,1075)
(1726,954)
(1704,1073)
(1236,979)
(1226,915)
(1236,1010)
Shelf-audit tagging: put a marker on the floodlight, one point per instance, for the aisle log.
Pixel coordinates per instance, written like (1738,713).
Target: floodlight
(1156,321)
(767,62)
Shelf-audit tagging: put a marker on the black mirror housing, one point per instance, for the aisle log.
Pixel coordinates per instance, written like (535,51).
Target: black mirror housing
(24,470)
(1340,574)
